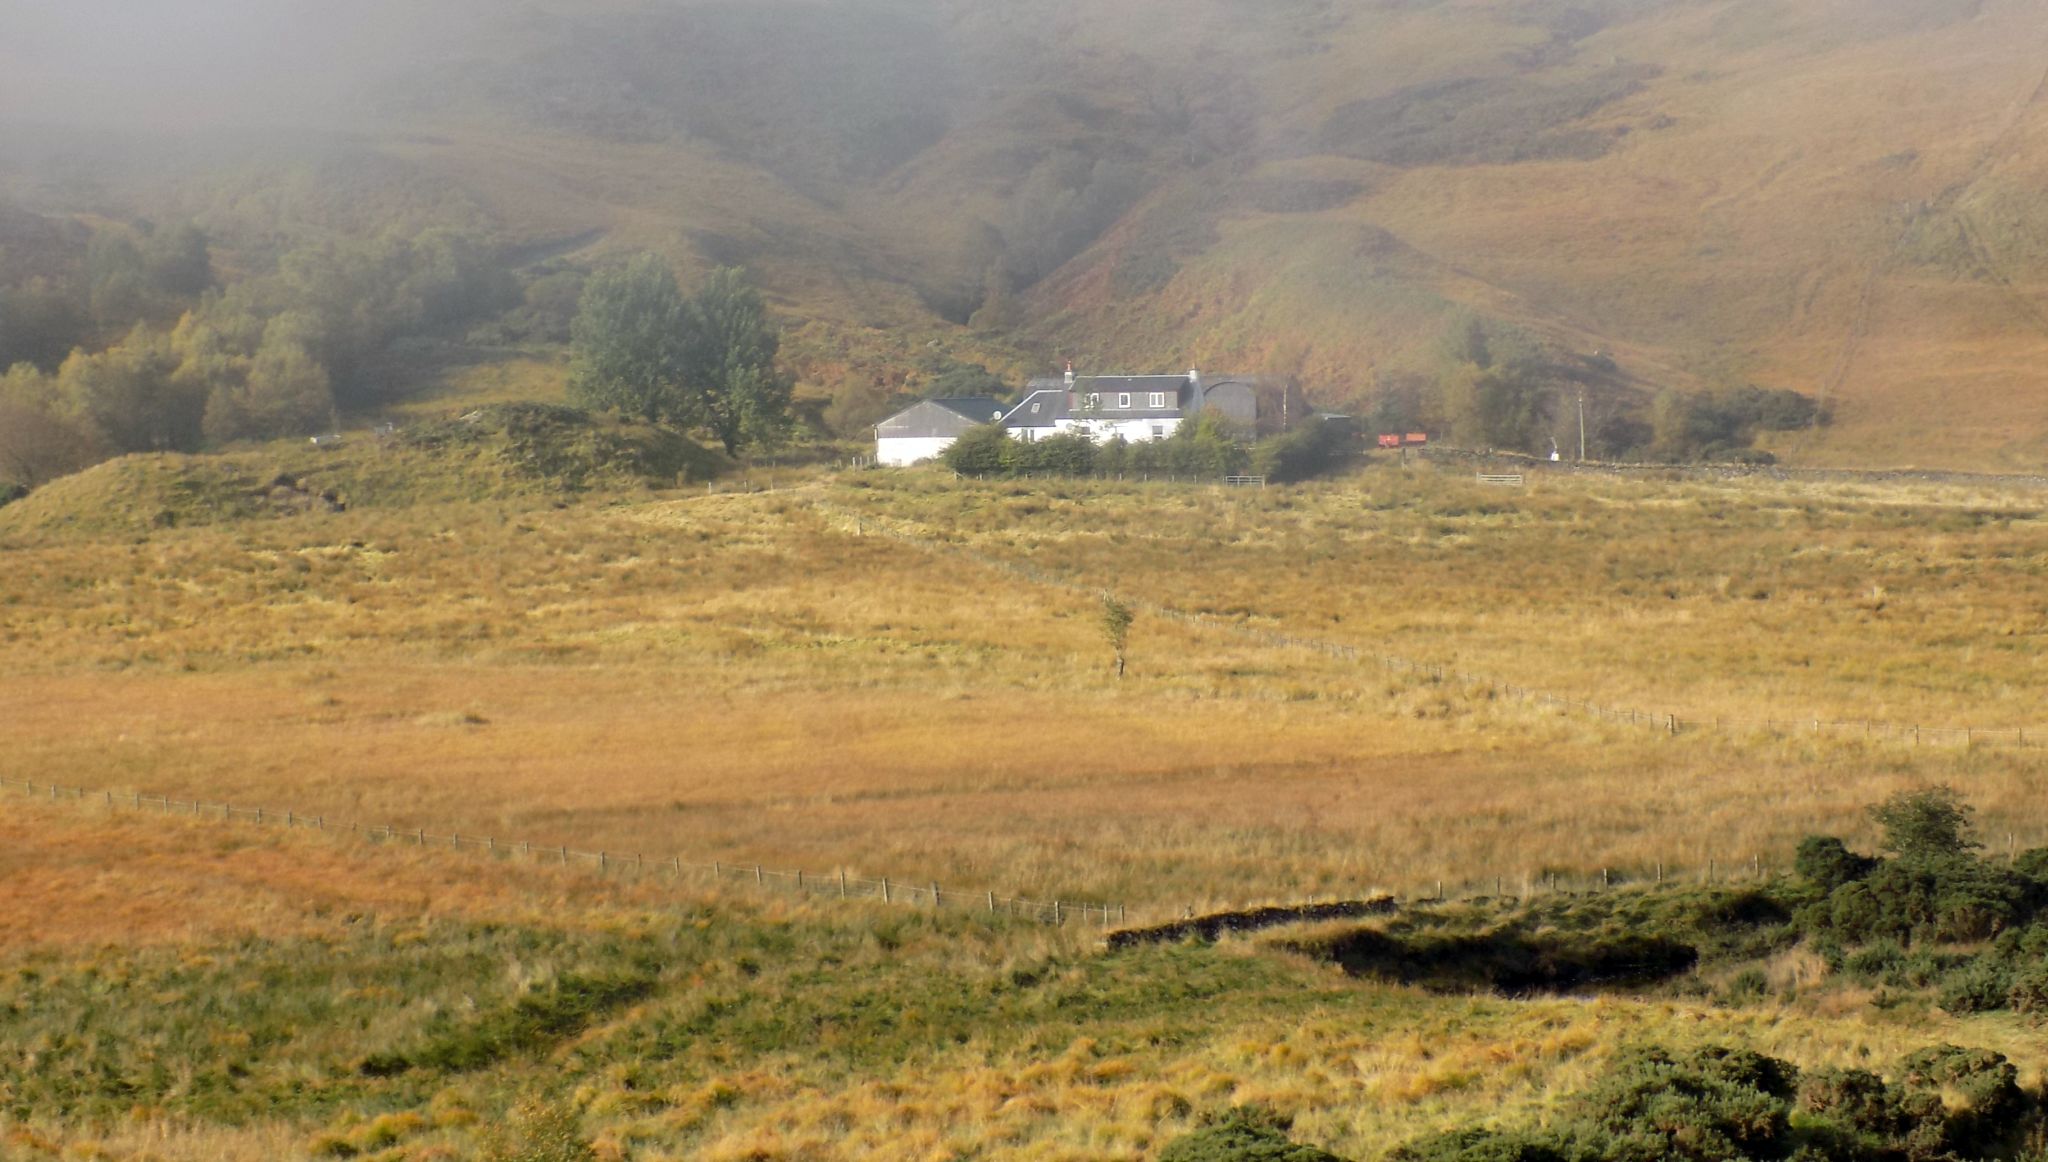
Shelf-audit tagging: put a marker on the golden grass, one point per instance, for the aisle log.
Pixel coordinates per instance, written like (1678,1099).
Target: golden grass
(743,678)
(81,877)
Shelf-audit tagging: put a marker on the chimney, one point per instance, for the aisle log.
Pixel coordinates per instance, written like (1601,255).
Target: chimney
(1194,392)
(1070,375)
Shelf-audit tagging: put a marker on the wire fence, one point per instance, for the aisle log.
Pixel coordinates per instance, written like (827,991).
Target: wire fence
(1521,887)
(839,884)
(1662,721)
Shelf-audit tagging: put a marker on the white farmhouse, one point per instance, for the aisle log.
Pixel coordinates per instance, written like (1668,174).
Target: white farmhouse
(928,427)
(1104,407)
(1134,407)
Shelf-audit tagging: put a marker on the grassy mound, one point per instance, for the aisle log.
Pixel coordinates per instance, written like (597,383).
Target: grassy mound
(497,451)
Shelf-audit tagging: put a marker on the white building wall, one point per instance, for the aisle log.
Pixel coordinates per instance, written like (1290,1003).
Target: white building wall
(1104,430)
(901,450)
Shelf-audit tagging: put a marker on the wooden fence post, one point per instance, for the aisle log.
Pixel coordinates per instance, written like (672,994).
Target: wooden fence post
(885,889)
(935,896)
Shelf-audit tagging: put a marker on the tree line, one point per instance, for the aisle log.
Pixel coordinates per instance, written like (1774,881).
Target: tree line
(1497,386)
(196,363)
(129,341)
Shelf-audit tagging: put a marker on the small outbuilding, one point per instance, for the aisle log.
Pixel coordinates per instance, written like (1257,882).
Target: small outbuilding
(927,427)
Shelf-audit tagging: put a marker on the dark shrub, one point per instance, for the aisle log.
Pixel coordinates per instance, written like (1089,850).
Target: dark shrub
(1930,823)
(983,450)
(1853,911)
(1479,1146)
(1711,1105)
(1881,961)
(1067,454)
(1981,986)
(1827,863)
(1964,1102)
(1245,1134)
(1853,1098)
(2033,864)
(1308,451)
(2029,991)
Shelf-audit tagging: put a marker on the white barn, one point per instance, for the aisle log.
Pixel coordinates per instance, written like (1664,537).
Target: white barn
(928,427)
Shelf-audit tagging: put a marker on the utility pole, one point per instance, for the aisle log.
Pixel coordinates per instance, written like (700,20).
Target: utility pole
(1582,426)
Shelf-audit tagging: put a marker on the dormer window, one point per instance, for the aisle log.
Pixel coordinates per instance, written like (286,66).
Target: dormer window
(1123,401)
(1158,399)
(1094,401)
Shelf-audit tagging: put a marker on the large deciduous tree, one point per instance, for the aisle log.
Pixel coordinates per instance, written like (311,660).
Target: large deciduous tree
(741,397)
(706,361)
(631,343)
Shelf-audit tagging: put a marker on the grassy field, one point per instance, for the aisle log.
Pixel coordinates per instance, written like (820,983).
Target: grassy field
(772,676)
(902,674)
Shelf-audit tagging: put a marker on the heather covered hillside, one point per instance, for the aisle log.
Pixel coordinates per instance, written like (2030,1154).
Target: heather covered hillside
(1840,199)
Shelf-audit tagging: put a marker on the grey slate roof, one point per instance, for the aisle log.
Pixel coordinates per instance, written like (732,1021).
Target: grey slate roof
(1039,408)
(939,417)
(1232,394)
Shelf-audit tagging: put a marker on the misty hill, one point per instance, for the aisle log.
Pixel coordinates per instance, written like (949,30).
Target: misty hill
(1844,199)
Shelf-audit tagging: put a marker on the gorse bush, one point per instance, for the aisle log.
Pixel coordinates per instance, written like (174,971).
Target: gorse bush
(1244,1134)
(1932,890)
(1828,863)
(1734,1105)
(1932,893)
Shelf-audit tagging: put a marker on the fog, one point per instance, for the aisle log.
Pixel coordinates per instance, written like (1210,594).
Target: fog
(169,64)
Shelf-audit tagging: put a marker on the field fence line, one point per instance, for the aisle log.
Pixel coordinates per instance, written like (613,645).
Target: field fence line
(837,884)
(1660,721)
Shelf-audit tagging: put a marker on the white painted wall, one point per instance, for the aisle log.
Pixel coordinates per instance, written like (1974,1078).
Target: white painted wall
(900,450)
(1133,431)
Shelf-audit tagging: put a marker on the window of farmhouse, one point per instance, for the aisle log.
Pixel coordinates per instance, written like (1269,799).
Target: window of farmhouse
(1123,401)
(1159,399)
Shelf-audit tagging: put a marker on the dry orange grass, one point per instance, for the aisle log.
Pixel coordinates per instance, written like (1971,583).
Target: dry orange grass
(78,876)
(744,678)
